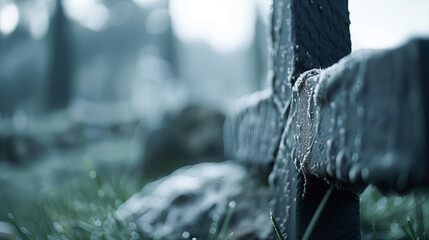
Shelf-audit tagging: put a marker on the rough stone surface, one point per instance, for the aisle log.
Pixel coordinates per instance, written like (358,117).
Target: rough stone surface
(187,200)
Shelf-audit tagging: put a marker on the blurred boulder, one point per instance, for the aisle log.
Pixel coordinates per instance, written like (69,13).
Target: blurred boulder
(185,203)
(195,135)
(19,148)
(59,132)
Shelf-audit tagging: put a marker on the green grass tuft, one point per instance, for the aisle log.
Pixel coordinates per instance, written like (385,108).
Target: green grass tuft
(276,227)
(317,214)
(83,209)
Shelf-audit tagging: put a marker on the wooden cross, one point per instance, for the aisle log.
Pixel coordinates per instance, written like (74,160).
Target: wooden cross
(363,120)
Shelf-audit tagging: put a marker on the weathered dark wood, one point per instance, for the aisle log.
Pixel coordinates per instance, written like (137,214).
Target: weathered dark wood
(252,132)
(362,121)
(306,34)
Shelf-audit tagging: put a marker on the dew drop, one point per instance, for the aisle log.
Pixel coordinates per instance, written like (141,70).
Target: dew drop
(92,174)
(360,111)
(387,160)
(340,122)
(339,164)
(58,227)
(381,204)
(186,235)
(353,173)
(132,226)
(215,218)
(357,141)
(365,173)
(355,157)
(100,193)
(97,223)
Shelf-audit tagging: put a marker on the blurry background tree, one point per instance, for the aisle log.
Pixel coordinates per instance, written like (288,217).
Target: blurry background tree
(60,75)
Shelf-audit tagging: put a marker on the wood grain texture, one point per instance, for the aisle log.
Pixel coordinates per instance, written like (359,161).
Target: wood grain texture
(306,34)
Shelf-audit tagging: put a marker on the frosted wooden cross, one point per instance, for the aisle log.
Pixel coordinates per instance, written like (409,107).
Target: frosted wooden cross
(363,120)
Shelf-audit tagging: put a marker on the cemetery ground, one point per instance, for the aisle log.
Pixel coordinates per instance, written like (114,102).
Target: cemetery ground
(71,191)
(67,193)
(73,194)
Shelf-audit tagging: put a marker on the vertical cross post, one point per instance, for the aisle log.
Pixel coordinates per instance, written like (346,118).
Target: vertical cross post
(305,35)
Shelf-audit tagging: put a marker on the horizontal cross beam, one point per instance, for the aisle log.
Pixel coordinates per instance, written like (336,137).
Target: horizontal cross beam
(252,132)
(364,120)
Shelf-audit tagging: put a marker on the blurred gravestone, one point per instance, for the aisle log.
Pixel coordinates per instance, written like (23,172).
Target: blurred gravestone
(194,135)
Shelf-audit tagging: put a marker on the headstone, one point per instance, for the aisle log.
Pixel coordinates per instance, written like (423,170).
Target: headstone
(194,135)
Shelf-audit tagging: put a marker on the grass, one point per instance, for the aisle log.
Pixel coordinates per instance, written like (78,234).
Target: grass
(276,227)
(214,233)
(382,217)
(84,208)
(226,221)
(313,221)
(317,214)
(394,217)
